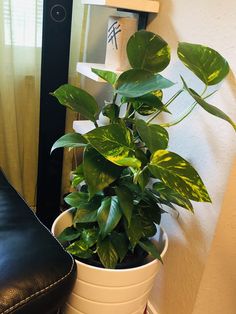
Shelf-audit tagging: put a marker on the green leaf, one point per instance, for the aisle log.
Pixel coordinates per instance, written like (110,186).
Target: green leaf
(68,234)
(79,170)
(206,63)
(80,249)
(70,140)
(78,176)
(76,181)
(90,236)
(77,100)
(149,227)
(84,215)
(136,82)
(179,175)
(149,247)
(121,244)
(143,177)
(158,93)
(154,136)
(149,208)
(75,199)
(209,108)
(146,104)
(130,162)
(141,156)
(134,230)
(98,171)
(125,198)
(107,76)
(108,216)
(148,51)
(107,253)
(111,111)
(167,194)
(114,142)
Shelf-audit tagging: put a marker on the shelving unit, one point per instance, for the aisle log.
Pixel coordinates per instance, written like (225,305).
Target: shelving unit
(150,6)
(142,7)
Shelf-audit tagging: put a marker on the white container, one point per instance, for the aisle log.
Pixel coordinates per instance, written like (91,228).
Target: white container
(110,291)
(119,31)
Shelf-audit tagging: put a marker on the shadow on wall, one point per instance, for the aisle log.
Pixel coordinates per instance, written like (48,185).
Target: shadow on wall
(231,79)
(164,19)
(176,286)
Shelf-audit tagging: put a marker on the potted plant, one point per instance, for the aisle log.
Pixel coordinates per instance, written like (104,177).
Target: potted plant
(128,177)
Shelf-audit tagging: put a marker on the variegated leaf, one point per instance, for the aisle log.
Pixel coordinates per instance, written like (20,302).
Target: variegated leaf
(154,136)
(114,142)
(179,175)
(98,171)
(209,66)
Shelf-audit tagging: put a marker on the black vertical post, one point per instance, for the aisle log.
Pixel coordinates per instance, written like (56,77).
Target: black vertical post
(142,21)
(54,72)
(142,17)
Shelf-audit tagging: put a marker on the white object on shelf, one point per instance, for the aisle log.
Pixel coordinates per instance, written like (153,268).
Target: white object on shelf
(85,69)
(119,30)
(150,6)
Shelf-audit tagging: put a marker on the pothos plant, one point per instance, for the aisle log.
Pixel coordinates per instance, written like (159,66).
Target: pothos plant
(128,177)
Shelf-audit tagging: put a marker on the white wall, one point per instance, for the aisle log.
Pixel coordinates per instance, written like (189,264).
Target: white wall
(209,143)
(217,289)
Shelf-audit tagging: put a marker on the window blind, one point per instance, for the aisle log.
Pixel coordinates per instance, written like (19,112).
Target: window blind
(23,22)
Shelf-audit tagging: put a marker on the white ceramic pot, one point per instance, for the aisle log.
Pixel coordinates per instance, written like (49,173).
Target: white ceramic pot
(110,291)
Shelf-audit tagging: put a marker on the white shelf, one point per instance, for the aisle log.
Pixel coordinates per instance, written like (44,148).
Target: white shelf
(151,6)
(85,69)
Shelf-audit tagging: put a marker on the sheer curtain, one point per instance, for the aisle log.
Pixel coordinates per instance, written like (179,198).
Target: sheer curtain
(20,61)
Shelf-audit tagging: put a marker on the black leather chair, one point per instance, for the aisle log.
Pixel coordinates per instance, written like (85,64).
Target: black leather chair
(36,274)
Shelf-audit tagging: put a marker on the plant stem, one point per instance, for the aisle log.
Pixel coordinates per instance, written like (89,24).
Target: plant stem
(187,112)
(114,98)
(178,120)
(127,114)
(165,106)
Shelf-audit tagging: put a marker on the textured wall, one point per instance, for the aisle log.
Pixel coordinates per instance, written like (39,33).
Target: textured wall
(209,143)
(218,285)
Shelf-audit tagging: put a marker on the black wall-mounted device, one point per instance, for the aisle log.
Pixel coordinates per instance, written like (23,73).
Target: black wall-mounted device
(54,72)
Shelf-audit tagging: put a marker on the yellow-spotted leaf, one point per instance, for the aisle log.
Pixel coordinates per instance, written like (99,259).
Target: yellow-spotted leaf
(177,173)
(146,104)
(206,63)
(108,76)
(77,100)
(107,253)
(208,107)
(98,171)
(167,194)
(148,51)
(114,142)
(154,136)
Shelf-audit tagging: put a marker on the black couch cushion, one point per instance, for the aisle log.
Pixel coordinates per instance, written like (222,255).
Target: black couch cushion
(36,274)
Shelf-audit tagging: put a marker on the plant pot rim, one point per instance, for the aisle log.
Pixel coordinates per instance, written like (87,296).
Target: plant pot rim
(165,238)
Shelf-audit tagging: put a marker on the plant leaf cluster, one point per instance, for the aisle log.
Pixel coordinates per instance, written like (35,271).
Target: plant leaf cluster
(128,176)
